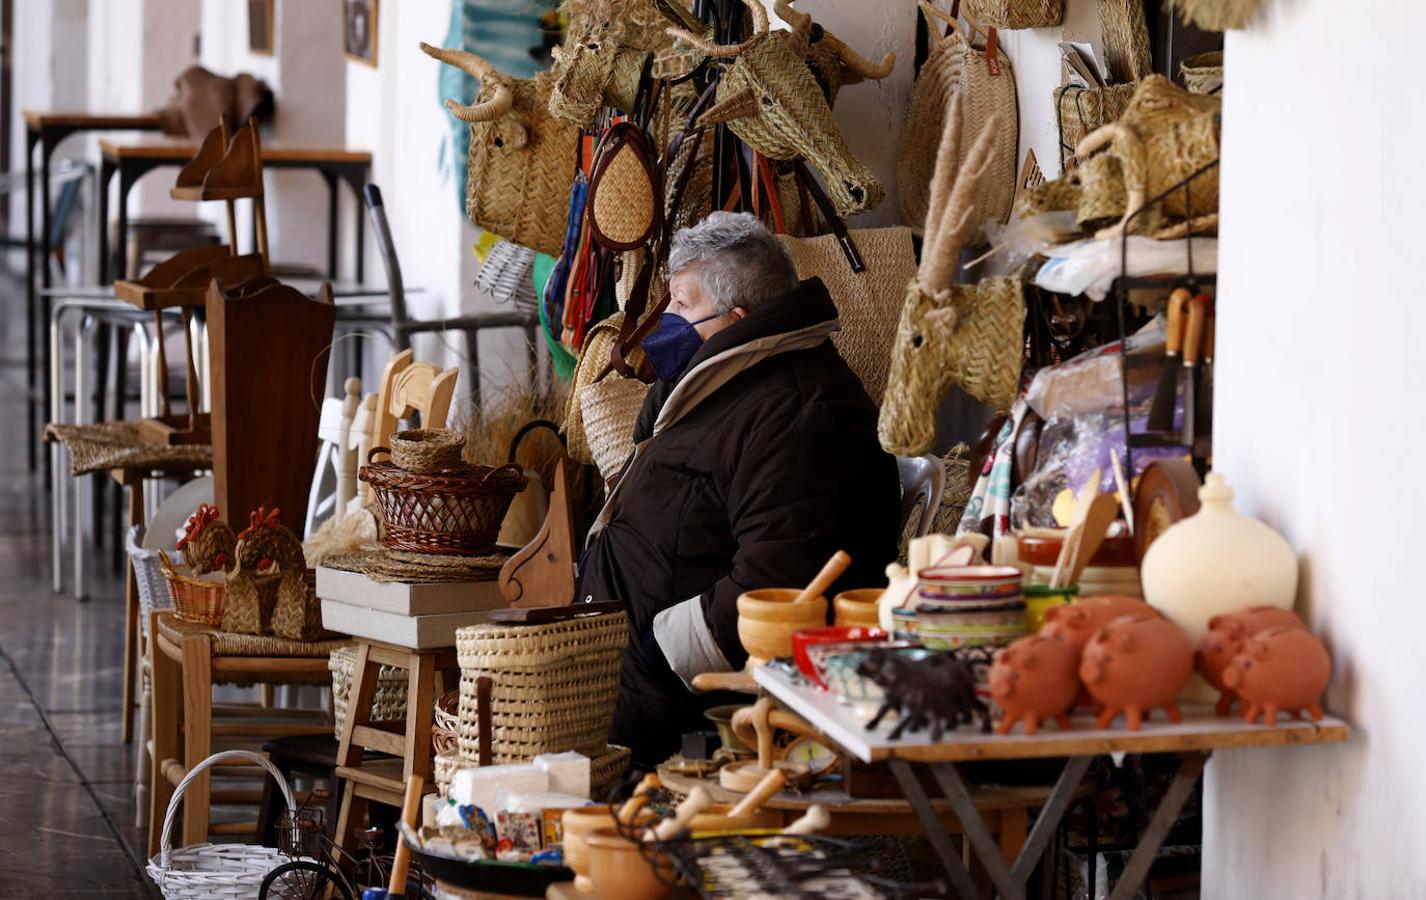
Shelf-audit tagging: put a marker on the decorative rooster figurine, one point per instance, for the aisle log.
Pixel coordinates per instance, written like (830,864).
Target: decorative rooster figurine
(251,591)
(207,544)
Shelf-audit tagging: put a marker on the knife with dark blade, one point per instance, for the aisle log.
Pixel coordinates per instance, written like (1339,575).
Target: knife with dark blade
(1192,348)
(1161,411)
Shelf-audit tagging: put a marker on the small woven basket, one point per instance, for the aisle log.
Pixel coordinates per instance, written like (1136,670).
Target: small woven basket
(388,704)
(445,730)
(204,871)
(451,514)
(1017,13)
(1081,110)
(553,689)
(194,599)
(1203,74)
(427,450)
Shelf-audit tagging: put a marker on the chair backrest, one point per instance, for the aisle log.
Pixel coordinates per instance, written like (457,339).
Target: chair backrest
(408,388)
(336,458)
(397,288)
(923,481)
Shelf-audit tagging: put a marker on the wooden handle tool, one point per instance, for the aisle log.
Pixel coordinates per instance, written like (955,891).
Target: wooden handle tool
(410,806)
(642,794)
(1093,530)
(830,573)
(696,801)
(811,822)
(772,783)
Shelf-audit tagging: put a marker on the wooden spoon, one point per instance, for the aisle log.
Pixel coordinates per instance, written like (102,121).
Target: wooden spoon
(1093,530)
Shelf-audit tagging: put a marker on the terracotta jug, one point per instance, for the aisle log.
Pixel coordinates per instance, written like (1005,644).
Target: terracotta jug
(1217,561)
(1032,679)
(1224,640)
(767,619)
(1075,623)
(1136,664)
(1280,670)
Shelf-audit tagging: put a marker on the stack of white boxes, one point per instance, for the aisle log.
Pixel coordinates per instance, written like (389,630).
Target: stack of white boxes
(418,616)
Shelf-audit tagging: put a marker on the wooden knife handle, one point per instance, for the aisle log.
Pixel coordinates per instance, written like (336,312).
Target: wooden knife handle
(1173,336)
(1193,331)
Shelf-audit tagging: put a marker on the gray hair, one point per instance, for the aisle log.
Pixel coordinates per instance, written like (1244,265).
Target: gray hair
(739,262)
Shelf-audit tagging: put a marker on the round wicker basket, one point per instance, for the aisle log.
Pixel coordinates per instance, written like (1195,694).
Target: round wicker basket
(450,513)
(198,600)
(427,450)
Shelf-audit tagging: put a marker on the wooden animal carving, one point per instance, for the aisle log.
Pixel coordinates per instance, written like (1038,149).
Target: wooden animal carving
(968,334)
(770,99)
(521,162)
(936,692)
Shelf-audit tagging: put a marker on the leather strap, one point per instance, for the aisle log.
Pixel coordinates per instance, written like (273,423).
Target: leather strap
(834,221)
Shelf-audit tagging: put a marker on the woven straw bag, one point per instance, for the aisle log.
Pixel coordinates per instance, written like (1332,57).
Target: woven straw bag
(1203,74)
(868,302)
(623,210)
(388,704)
(1081,110)
(214,871)
(598,346)
(554,686)
(1017,13)
(609,409)
(984,79)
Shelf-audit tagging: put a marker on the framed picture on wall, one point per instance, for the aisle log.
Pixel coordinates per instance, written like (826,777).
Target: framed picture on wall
(260,26)
(359,30)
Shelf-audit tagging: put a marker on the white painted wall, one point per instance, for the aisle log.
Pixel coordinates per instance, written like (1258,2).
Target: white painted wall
(1318,425)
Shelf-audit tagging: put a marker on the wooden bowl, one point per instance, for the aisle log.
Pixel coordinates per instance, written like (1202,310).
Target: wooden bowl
(767,619)
(576,826)
(857,607)
(617,868)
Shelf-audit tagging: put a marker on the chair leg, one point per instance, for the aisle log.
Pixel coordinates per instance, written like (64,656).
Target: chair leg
(197,734)
(141,754)
(131,620)
(166,681)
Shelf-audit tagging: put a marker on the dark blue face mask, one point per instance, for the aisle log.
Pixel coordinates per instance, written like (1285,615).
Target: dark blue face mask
(671,345)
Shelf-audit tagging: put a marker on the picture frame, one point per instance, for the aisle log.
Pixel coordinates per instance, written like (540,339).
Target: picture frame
(260,27)
(359,31)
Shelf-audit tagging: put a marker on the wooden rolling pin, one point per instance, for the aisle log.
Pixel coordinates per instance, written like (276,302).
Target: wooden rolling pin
(410,805)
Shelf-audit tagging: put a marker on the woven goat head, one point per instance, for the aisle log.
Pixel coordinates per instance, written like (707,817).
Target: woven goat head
(971,335)
(769,98)
(521,161)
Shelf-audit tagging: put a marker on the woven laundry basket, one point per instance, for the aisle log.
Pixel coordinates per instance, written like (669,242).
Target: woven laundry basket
(203,871)
(553,689)
(389,702)
(605,770)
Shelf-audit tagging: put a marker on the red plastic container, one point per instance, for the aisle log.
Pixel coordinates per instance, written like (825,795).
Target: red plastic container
(832,634)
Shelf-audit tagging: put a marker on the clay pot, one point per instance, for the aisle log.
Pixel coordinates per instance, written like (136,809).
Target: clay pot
(857,608)
(767,619)
(1214,562)
(1032,679)
(1075,623)
(1280,670)
(1136,664)
(617,868)
(1225,638)
(577,824)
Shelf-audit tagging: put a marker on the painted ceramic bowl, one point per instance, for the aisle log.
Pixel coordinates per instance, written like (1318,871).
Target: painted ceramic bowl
(903,624)
(839,670)
(857,607)
(806,639)
(973,581)
(767,619)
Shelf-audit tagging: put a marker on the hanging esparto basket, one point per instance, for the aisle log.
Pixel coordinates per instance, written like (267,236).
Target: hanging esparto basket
(610,409)
(1017,13)
(553,686)
(451,513)
(206,871)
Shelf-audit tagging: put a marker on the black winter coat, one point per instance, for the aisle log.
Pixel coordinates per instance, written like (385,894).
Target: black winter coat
(753,467)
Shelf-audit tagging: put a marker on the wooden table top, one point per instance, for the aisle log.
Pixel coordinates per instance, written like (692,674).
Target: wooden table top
(180,150)
(1200,730)
(40,118)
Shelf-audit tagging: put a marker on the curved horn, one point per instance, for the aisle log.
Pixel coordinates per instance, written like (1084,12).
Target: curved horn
(801,22)
(718,51)
(498,105)
(862,67)
(759,14)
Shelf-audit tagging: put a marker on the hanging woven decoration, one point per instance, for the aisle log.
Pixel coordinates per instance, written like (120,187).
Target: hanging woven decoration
(1125,30)
(1017,13)
(1218,15)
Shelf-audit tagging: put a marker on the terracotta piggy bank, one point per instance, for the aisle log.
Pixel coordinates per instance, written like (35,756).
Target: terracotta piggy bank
(1282,669)
(1136,664)
(1225,638)
(1076,623)
(1032,679)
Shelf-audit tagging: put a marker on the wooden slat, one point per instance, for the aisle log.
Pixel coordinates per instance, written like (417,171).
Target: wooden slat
(37,118)
(268,729)
(178,152)
(377,739)
(294,665)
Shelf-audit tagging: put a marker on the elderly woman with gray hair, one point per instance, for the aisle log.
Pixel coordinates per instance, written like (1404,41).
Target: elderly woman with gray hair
(756,459)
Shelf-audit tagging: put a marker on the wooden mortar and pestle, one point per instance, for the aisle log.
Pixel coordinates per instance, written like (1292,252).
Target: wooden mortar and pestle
(766,620)
(757,774)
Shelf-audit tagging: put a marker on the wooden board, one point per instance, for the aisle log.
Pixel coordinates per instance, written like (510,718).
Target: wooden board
(36,118)
(1200,730)
(401,598)
(181,151)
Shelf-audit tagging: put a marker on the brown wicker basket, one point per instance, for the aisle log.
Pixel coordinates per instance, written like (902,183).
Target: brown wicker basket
(455,513)
(427,450)
(194,599)
(445,730)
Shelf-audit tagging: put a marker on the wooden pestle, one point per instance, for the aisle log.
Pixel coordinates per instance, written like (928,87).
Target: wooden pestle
(753,801)
(696,801)
(830,573)
(642,794)
(814,820)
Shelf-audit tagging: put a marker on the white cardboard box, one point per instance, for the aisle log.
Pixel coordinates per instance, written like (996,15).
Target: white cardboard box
(356,589)
(417,632)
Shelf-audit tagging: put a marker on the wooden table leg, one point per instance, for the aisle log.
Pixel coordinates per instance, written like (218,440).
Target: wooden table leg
(1170,805)
(165,675)
(421,684)
(359,697)
(197,733)
(131,618)
(1014,823)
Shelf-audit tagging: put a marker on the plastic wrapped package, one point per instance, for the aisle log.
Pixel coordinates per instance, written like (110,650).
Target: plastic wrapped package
(1089,383)
(1090,267)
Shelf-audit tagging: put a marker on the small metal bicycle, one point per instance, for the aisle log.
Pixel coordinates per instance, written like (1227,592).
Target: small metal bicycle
(318,866)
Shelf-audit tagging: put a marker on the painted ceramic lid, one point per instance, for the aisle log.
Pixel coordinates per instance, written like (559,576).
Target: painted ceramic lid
(969,573)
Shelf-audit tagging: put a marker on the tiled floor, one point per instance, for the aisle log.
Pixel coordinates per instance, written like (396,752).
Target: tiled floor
(66,780)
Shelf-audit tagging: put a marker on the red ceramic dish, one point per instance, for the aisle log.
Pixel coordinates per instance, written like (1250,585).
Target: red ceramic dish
(833,634)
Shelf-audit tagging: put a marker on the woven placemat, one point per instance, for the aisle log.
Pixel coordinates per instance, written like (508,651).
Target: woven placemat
(383,564)
(228,643)
(118,445)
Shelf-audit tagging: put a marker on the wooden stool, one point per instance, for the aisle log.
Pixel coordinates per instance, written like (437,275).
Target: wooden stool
(384,781)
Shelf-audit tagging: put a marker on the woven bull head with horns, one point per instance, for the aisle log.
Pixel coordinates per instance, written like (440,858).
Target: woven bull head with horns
(972,335)
(603,56)
(770,99)
(521,162)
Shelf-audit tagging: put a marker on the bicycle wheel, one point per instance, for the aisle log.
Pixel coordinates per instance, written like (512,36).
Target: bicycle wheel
(302,879)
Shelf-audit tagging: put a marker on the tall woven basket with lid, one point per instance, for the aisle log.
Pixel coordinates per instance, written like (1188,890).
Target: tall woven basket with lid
(553,685)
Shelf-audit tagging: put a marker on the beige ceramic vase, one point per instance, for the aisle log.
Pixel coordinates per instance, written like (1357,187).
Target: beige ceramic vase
(1214,562)
(767,619)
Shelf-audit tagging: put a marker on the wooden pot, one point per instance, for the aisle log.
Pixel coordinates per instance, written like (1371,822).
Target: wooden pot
(857,608)
(617,868)
(576,826)
(767,619)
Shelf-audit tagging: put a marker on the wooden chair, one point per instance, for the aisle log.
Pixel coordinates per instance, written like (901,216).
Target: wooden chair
(408,388)
(339,456)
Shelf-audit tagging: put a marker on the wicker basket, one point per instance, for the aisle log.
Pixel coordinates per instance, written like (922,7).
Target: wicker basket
(1203,74)
(204,871)
(194,599)
(452,514)
(445,729)
(1012,14)
(388,704)
(427,450)
(153,587)
(554,685)
(1081,110)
